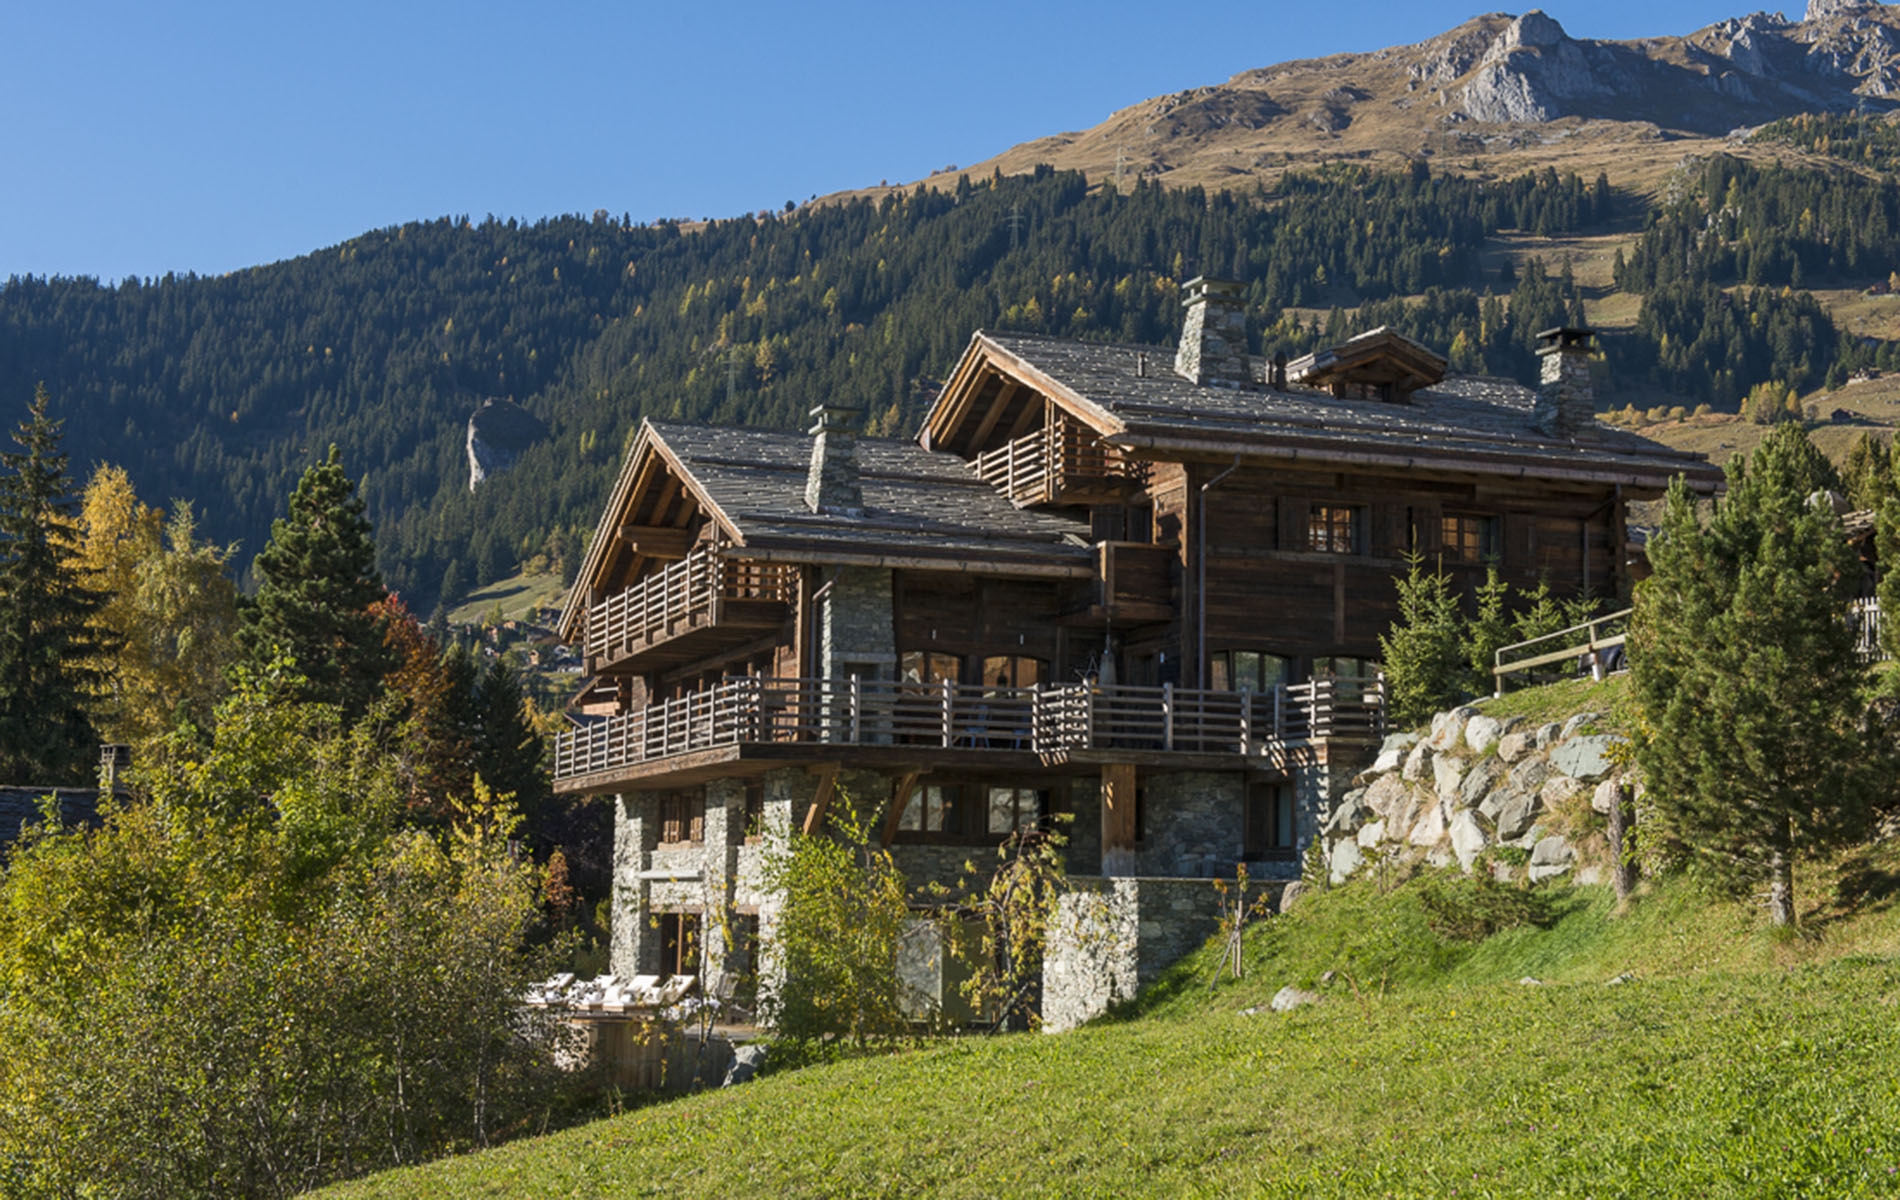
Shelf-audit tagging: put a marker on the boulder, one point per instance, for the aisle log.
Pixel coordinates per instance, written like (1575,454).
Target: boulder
(1557,791)
(1448,728)
(1289,998)
(746,1061)
(1388,760)
(1604,798)
(1371,834)
(1546,734)
(1290,895)
(1515,816)
(1482,732)
(1576,723)
(1447,774)
(1493,803)
(1346,859)
(1347,816)
(1414,769)
(1467,839)
(1479,782)
(1587,758)
(1386,795)
(1528,775)
(1515,745)
(1551,856)
(1429,828)
(1398,741)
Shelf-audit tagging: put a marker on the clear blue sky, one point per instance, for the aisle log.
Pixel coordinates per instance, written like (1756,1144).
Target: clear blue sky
(140,138)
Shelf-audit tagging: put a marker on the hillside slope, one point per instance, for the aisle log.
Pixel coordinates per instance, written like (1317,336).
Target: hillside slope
(1729,1063)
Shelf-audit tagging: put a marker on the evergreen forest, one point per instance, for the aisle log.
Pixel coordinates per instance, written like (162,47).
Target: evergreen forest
(222,390)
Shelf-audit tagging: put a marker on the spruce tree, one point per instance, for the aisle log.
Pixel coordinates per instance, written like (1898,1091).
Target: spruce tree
(1743,667)
(317,585)
(508,750)
(1424,653)
(48,647)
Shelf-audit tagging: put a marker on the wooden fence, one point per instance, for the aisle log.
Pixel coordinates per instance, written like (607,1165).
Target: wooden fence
(1595,638)
(1046,720)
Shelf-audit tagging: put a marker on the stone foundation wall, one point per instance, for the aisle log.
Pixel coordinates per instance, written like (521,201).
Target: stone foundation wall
(1111,937)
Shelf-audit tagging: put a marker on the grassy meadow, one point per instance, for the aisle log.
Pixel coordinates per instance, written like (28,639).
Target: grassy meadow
(1727,1061)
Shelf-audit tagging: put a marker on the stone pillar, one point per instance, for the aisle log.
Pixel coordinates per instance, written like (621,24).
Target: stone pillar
(855,625)
(634,946)
(725,817)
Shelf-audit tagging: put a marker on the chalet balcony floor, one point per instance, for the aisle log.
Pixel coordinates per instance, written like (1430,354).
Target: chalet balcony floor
(749,723)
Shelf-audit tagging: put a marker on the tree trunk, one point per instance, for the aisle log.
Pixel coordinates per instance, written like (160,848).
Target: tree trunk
(1781,880)
(1623,869)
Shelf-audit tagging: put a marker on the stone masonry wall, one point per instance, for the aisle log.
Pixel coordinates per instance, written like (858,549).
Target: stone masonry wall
(855,630)
(1110,937)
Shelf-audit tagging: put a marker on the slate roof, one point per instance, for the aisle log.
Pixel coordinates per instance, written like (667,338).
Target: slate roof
(20,806)
(1481,424)
(917,503)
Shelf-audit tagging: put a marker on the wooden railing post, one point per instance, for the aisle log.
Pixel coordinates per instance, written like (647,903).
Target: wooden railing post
(1246,723)
(949,720)
(1167,716)
(854,731)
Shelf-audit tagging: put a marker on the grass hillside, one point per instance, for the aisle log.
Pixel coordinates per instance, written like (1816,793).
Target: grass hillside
(1728,1062)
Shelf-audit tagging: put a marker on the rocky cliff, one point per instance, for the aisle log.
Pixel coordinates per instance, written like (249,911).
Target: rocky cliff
(498,433)
(1497,84)
(1477,790)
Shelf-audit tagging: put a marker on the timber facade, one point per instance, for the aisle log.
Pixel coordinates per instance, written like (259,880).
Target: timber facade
(1140,586)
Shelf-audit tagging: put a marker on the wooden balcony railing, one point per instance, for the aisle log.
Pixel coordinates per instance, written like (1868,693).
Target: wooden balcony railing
(1061,461)
(691,593)
(1049,720)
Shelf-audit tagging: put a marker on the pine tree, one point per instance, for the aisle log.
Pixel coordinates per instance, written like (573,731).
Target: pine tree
(48,647)
(317,585)
(508,750)
(1743,667)
(1424,654)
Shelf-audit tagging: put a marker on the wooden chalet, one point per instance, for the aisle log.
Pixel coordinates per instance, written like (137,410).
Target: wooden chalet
(1140,585)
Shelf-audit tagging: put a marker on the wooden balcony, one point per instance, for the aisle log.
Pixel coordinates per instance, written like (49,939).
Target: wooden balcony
(1061,463)
(912,722)
(687,609)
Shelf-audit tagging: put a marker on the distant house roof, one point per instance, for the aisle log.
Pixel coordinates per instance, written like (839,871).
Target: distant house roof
(1131,396)
(20,806)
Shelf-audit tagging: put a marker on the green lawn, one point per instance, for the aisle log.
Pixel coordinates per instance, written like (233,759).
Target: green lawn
(1734,1063)
(516,596)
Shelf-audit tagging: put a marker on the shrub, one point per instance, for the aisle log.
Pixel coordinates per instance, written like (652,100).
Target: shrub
(1469,908)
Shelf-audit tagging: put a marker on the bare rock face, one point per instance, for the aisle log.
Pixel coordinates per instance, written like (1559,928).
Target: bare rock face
(498,434)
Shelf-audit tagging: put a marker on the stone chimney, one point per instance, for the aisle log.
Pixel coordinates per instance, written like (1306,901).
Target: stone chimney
(1566,403)
(1214,339)
(831,486)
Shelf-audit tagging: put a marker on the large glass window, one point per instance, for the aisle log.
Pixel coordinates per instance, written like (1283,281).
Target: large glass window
(928,666)
(933,808)
(1334,529)
(1012,671)
(1343,666)
(1468,539)
(1014,808)
(1246,671)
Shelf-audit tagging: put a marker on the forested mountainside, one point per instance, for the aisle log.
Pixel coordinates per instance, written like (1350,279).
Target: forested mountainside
(222,390)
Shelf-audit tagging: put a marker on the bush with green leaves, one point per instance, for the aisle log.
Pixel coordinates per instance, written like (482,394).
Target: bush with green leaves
(831,965)
(251,980)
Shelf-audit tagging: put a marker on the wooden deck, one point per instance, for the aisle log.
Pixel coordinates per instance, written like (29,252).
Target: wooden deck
(882,720)
(681,611)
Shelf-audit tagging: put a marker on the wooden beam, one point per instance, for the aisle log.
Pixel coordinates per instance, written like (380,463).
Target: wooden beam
(821,799)
(654,541)
(1118,806)
(899,798)
(1005,396)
